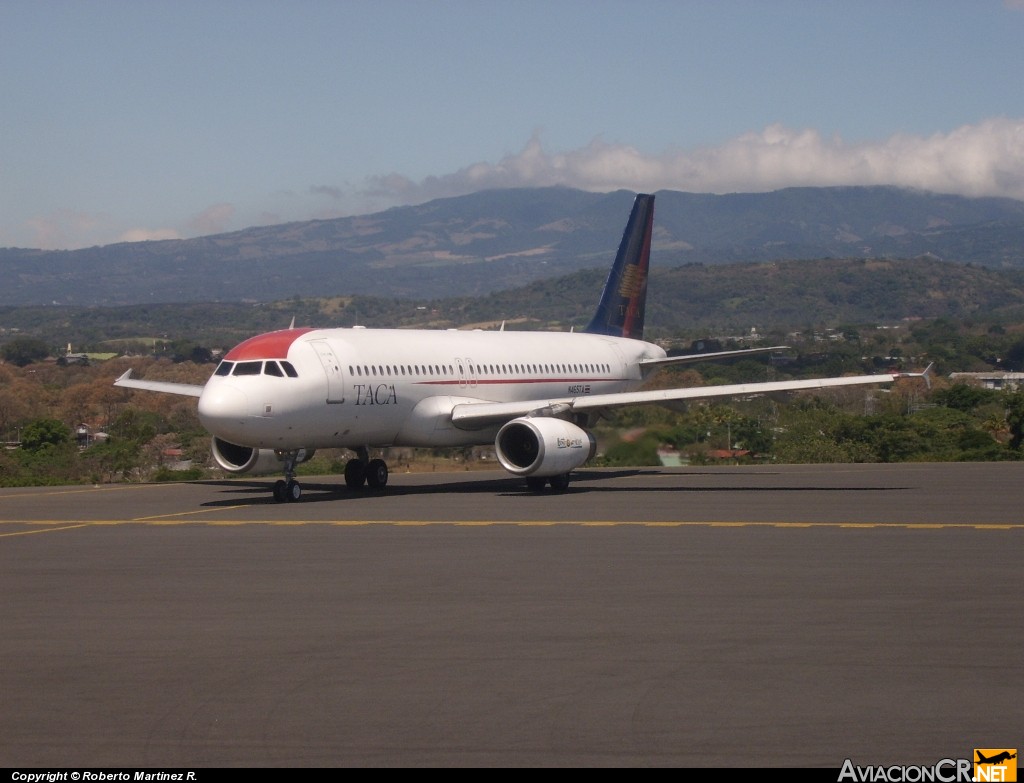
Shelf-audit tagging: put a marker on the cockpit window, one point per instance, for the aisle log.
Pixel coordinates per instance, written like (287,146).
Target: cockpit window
(270,367)
(248,368)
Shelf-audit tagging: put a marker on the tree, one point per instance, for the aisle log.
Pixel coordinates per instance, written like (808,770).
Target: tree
(135,426)
(42,432)
(18,403)
(1015,418)
(114,459)
(24,350)
(962,397)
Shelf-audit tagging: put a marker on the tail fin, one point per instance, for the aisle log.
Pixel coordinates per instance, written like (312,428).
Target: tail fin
(621,310)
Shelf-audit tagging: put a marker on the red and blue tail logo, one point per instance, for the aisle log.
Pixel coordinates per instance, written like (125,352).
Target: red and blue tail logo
(621,310)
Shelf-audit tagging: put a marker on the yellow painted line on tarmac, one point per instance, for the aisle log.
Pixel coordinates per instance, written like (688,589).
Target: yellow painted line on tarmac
(45,530)
(38,493)
(185,513)
(189,518)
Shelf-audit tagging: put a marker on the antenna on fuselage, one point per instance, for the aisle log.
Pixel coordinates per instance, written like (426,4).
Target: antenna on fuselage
(292,325)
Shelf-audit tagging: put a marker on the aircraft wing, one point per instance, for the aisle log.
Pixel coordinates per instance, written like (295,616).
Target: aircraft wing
(473,415)
(186,389)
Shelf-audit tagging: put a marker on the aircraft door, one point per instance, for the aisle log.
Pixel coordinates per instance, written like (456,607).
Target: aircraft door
(467,373)
(332,368)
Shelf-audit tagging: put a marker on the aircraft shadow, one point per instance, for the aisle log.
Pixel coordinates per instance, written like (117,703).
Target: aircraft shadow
(256,492)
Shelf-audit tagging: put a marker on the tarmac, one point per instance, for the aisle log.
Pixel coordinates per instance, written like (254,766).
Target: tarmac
(778,616)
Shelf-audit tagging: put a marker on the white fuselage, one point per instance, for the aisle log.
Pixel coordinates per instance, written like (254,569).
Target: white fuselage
(357,387)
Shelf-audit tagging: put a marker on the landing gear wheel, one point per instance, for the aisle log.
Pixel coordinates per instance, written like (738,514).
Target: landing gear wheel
(355,473)
(536,483)
(560,483)
(377,474)
(280,489)
(292,491)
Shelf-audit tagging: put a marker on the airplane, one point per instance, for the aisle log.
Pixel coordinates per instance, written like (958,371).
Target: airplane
(277,397)
(996,759)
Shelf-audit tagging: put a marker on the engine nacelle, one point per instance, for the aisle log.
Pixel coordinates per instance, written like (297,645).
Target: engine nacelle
(245,459)
(543,446)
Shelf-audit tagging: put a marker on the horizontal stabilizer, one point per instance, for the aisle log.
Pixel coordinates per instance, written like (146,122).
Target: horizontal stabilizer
(691,358)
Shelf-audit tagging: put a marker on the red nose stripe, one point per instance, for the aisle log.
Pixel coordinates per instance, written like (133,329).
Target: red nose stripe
(272,345)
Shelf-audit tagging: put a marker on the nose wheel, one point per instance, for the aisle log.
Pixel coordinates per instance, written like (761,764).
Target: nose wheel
(288,490)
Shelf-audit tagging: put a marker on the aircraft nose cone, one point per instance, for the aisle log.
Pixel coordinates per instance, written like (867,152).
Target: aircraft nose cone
(223,409)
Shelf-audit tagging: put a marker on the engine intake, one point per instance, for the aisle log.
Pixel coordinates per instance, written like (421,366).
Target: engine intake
(245,459)
(543,446)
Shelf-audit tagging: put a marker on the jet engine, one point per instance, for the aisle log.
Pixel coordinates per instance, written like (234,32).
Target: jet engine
(245,459)
(542,446)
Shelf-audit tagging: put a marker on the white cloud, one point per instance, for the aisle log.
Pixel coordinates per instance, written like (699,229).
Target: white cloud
(66,228)
(326,190)
(986,159)
(148,234)
(215,219)
(983,159)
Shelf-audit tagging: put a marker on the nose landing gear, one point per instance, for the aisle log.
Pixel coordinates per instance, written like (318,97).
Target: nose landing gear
(288,489)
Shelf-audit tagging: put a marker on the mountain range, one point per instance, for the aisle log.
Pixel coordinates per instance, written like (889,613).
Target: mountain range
(486,242)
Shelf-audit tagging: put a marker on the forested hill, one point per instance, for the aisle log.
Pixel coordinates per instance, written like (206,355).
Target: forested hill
(785,294)
(800,293)
(496,240)
(692,299)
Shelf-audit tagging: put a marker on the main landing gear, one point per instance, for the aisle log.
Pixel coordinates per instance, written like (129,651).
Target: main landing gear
(559,483)
(363,470)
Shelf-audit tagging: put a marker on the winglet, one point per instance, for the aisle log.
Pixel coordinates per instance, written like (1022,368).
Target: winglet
(925,374)
(621,310)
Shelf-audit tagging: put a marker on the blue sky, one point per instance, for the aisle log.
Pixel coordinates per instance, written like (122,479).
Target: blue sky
(122,121)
